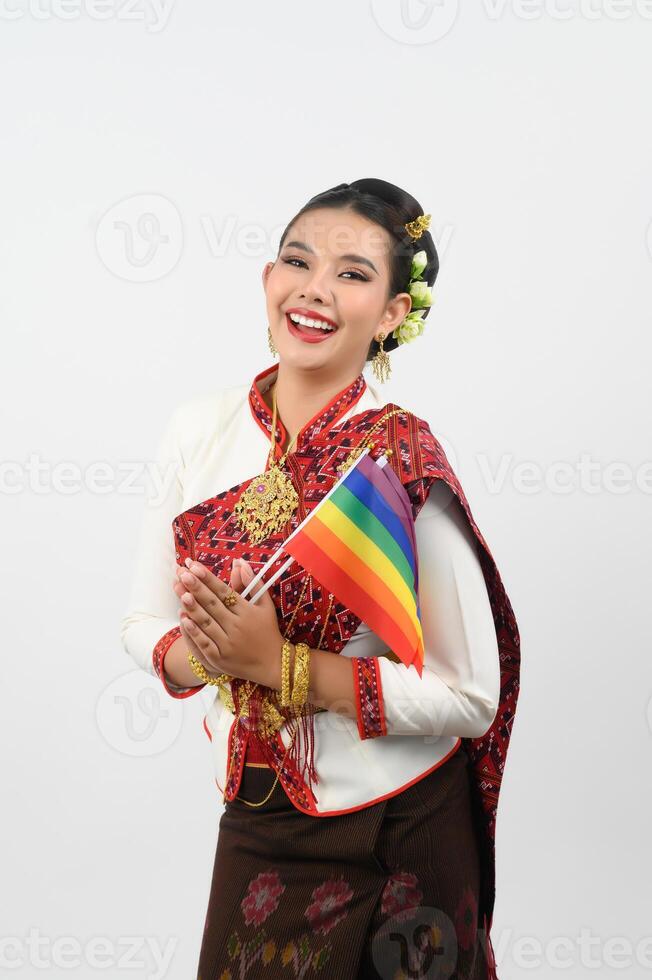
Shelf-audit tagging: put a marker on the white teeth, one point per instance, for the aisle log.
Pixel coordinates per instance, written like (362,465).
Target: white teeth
(308,322)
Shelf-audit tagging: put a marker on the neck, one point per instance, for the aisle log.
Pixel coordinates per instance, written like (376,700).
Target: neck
(300,395)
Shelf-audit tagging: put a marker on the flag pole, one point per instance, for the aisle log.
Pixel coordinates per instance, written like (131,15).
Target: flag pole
(280,550)
(270,581)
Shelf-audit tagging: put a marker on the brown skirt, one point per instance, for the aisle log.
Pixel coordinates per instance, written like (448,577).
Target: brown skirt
(388,891)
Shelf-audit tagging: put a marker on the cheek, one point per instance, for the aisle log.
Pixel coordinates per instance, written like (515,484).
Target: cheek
(277,287)
(362,309)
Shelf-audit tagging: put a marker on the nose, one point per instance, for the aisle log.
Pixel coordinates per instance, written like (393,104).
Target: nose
(316,291)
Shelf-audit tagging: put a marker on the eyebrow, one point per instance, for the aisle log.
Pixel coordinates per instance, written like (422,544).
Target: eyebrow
(349,257)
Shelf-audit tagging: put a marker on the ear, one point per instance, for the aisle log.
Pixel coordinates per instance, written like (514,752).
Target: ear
(267,268)
(395,312)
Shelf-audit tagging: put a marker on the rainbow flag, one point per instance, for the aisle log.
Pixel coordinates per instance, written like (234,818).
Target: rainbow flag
(359,543)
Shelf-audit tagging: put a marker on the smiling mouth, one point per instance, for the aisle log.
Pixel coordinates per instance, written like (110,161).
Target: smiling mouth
(305,329)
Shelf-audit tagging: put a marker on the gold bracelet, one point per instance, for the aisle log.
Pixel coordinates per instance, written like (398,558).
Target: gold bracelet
(201,672)
(285,673)
(301,675)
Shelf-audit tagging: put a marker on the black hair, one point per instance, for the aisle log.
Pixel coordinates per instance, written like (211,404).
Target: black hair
(390,207)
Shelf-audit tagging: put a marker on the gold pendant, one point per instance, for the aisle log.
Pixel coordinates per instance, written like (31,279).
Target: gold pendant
(267,504)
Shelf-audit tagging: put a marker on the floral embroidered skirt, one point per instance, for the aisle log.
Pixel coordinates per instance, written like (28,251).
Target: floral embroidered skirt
(388,891)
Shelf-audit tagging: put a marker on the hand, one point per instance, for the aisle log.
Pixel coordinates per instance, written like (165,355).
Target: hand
(236,583)
(242,640)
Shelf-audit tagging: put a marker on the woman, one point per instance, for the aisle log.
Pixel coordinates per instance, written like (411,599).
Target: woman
(357,838)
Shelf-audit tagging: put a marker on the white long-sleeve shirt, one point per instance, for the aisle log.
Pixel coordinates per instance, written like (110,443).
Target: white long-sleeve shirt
(212,443)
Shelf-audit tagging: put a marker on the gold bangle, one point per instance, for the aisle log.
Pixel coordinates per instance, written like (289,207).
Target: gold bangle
(301,675)
(285,673)
(201,672)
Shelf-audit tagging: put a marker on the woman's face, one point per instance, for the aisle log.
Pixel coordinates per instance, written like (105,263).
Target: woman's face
(334,265)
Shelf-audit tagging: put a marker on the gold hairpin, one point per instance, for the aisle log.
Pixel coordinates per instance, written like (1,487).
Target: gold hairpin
(416,228)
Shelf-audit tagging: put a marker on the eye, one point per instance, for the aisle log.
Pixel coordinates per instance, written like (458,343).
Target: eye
(349,272)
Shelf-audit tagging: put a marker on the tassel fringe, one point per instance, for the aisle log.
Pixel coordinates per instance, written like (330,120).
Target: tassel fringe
(303,724)
(301,730)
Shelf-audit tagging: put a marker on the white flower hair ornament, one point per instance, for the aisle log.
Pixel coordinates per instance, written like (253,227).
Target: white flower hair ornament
(411,326)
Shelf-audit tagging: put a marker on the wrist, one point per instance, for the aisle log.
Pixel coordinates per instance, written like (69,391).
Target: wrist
(271,675)
(175,665)
(331,684)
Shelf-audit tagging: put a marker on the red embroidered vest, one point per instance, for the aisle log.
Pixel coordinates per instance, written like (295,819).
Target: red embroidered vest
(208,533)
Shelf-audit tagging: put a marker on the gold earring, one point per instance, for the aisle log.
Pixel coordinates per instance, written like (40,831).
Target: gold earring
(380,362)
(271,342)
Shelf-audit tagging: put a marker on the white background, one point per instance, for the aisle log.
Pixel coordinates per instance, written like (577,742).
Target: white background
(525,131)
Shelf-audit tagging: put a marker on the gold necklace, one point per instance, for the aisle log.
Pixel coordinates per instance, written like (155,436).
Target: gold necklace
(362,445)
(271,499)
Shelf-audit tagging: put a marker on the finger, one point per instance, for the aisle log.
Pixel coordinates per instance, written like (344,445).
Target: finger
(247,575)
(192,646)
(206,619)
(214,584)
(178,587)
(205,596)
(242,574)
(211,601)
(235,580)
(201,646)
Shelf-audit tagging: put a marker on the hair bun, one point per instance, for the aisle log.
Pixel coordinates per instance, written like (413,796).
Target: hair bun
(389,193)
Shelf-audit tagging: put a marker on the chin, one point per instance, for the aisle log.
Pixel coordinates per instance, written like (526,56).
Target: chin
(308,358)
